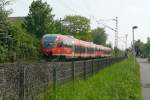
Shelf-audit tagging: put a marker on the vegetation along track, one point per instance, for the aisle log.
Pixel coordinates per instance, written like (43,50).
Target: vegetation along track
(120,81)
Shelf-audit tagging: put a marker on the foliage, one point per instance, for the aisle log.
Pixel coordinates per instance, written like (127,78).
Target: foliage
(3,12)
(25,45)
(20,46)
(99,36)
(4,29)
(60,27)
(4,16)
(122,84)
(78,26)
(139,47)
(109,45)
(3,54)
(15,42)
(117,52)
(87,36)
(147,47)
(19,42)
(40,19)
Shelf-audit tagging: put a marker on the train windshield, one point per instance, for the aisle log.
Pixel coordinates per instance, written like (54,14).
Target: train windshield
(48,41)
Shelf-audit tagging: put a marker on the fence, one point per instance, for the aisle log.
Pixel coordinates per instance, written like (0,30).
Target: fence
(27,81)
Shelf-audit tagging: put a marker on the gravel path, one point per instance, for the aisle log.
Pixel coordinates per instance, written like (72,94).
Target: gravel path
(145,78)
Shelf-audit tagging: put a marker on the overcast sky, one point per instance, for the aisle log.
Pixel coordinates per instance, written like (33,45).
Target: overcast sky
(129,13)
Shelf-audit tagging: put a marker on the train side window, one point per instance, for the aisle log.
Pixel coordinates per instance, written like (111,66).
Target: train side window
(75,48)
(60,44)
(79,49)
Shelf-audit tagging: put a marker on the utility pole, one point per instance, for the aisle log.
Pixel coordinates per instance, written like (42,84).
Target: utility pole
(62,22)
(133,28)
(116,33)
(60,26)
(113,29)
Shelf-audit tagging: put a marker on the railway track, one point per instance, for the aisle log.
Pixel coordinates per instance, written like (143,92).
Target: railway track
(59,59)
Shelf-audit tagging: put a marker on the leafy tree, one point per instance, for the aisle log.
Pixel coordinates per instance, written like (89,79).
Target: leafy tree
(4,16)
(118,52)
(60,27)
(40,19)
(147,45)
(78,26)
(3,12)
(87,36)
(15,42)
(4,24)
(147,49)
(139,47)
(109,45)
(22,45)
(99,36)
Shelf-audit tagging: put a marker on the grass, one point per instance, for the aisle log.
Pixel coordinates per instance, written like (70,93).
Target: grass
(120,81)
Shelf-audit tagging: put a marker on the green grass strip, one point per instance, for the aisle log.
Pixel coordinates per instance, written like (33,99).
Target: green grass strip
(119,81)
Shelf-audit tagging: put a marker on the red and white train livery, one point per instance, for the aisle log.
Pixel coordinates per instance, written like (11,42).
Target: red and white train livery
(53,45)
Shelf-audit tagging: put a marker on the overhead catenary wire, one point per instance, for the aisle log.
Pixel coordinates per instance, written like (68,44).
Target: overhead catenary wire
(87,7)
(91,16)
(102,23)
(70,8)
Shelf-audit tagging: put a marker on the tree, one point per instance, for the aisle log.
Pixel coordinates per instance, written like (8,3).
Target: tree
(147,48)
(117,52)
(109,45)
(79,27)
(40,19)
(77,24)
(139,47)
(3,12)
(4,15)
(99,36)
(60,27)
(23,46)
(15,42)
(4,24)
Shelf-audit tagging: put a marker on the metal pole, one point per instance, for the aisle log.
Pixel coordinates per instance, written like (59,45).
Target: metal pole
(60,26)
(134,27)
(116,33)
(133,48)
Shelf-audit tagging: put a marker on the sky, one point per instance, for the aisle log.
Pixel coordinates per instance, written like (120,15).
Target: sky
(129,12)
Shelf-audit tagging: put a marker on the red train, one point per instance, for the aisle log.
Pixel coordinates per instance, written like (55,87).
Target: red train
(53,45)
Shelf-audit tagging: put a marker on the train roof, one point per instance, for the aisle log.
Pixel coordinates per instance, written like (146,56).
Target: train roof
(50,35)
(81,42)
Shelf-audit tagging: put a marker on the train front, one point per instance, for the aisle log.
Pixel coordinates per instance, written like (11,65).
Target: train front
(48,43)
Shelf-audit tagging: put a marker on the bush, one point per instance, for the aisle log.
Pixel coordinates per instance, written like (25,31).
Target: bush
(25,45)
(20,46)
(3,54)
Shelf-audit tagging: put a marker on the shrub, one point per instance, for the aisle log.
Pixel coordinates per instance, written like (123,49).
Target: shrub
(20,45)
